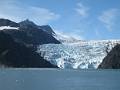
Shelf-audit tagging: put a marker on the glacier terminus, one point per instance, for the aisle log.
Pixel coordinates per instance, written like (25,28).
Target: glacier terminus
(77,55)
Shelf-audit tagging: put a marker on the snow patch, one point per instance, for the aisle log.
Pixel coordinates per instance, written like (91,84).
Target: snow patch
(8,27)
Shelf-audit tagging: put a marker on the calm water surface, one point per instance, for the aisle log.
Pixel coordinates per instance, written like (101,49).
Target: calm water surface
(54,79)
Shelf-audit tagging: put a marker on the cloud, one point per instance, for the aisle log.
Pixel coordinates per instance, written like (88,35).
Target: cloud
(108,18)
(10,9)
(69,35)
(82,10)
(77,37)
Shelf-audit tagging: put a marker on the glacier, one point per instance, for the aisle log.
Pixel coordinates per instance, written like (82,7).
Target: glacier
(77,55)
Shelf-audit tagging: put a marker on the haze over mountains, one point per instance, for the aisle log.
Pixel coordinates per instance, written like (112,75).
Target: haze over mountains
(26,44)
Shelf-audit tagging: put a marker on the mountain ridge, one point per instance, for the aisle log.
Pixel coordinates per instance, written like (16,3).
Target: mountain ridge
(29,33)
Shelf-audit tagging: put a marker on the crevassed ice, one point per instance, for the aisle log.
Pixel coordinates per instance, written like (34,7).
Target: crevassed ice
(8,27)
(82,55)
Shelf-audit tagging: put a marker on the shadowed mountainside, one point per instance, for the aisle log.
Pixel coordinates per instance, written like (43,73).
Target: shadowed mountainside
(14,54)
(112,60)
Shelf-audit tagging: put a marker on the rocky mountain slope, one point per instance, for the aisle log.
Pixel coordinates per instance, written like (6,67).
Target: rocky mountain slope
(18,43)
(14,54)
(112,60)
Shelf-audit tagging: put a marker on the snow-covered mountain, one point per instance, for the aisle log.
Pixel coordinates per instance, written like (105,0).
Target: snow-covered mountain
(79,55)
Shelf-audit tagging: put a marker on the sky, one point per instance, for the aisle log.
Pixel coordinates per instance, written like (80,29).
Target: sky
(82,19)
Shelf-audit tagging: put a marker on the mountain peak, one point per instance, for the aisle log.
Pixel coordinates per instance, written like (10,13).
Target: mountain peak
(27,22)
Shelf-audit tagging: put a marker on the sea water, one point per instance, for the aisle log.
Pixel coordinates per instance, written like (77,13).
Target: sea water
(57,79)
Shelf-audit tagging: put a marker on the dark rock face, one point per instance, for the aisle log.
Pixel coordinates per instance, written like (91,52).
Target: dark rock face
(18,46)
(17,55)
(28,33)
(112,60)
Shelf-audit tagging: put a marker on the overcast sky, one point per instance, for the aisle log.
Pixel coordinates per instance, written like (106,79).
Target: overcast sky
(83,19)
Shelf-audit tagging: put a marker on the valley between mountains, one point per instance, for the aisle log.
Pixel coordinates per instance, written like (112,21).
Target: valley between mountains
(27,45)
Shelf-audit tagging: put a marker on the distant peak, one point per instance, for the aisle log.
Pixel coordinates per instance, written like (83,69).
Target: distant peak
(27,23)
(27,19)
